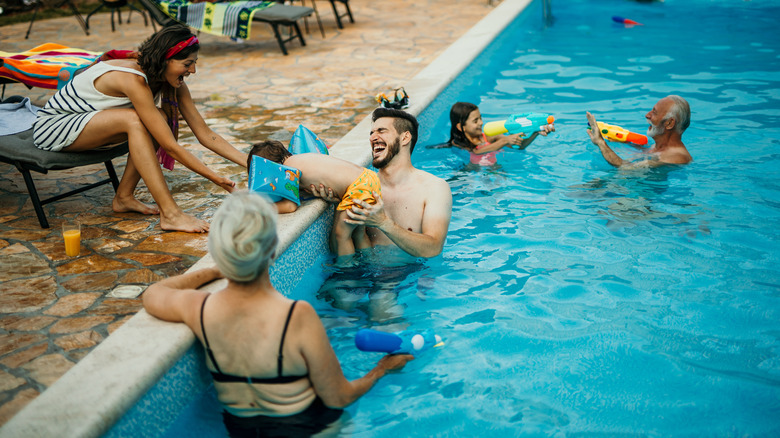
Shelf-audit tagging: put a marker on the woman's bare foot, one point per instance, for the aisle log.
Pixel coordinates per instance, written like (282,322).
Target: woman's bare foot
(183,222)
(126,205)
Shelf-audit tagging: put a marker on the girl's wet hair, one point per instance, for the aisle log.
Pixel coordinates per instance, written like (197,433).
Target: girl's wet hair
(459,113)
(242,237)
(151,56)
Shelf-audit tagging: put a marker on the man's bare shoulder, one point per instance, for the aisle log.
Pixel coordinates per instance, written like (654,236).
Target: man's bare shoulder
(429,180)
(433,190)
(677,155)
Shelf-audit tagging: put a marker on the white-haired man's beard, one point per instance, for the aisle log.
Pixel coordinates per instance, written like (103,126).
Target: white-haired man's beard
(656,130)
(391,151)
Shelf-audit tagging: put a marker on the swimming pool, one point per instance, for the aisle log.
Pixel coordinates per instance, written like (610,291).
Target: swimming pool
(578,299)
(574,299)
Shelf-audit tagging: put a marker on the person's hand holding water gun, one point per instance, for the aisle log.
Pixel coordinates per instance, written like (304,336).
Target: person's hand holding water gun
(595,136)
(520,130)
(616,133)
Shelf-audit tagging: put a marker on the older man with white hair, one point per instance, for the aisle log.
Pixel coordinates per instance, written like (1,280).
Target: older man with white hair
(668,119)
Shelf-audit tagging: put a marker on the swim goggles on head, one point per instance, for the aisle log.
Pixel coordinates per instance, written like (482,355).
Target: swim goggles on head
(400,99)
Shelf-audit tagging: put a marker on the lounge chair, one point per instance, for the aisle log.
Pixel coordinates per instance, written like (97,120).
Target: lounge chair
(286,15)
(115,6)
(156,14)
(339,16)
(19,150)
(75,10)
(273,14)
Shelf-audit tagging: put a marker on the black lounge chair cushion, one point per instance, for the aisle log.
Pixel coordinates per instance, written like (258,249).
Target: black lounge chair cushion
(20,147)
(279,13)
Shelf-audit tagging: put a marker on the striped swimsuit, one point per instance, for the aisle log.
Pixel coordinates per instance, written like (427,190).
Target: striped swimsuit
(66,114)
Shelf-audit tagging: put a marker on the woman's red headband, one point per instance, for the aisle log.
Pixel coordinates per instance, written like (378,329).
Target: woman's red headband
(179,47)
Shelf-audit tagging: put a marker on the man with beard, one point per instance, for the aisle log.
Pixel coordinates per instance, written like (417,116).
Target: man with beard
(414,209)
(668,119)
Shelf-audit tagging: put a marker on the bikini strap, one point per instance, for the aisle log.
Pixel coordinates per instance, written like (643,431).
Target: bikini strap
(206,339)
(281,345)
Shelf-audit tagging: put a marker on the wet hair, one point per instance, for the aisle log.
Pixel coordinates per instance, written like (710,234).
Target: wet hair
(403,122)
(459,114)
(242,237)
(151,53)
(270,150)
(680,112)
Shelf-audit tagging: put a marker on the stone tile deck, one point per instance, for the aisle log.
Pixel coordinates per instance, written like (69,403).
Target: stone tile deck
(55,309)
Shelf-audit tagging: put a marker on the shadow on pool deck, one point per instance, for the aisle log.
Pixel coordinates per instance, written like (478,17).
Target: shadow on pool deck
(53,309)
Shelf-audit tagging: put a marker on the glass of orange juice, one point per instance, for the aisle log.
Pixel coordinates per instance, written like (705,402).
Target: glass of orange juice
(71,232)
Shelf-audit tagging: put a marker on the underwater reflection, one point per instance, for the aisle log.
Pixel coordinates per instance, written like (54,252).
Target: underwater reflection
(371,282)
(635,195)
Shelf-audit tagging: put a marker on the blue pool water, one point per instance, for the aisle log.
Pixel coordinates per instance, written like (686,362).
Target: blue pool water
(576,299)
(579,299)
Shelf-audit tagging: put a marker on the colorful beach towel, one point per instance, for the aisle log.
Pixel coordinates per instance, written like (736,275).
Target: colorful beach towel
(46,66)
(231,19)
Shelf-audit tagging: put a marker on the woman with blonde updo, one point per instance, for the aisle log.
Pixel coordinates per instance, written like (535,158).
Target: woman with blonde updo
(272,363)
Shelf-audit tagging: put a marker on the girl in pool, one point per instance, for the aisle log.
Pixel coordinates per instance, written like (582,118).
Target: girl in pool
(274,369)
(466,133)
(113,101)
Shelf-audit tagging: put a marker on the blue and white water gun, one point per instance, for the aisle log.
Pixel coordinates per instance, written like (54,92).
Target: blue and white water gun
(527,123)
(403,342)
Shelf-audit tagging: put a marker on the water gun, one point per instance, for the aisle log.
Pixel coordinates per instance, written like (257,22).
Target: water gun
(625,21)
(616,133)
(525,122)
(403,342)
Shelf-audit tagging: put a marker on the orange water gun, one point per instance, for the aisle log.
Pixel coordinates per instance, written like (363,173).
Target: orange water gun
(616,133)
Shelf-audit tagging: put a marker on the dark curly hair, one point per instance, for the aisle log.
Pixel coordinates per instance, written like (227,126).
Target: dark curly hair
(402,122)
(459,113)
(151,56)
(270,150)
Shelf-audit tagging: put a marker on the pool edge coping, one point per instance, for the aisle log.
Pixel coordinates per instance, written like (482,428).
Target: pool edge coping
(133,358)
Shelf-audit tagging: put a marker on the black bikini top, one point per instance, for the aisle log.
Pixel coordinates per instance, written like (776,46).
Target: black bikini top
(219,376)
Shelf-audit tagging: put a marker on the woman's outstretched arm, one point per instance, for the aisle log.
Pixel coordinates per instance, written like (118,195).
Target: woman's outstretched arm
(324,367)
(205,135)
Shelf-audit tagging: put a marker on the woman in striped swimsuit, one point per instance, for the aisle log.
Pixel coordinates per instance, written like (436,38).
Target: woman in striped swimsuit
(113,101)
(273,367)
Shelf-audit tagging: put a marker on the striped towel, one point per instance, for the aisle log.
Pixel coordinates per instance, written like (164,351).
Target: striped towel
(231,19)
(46,66)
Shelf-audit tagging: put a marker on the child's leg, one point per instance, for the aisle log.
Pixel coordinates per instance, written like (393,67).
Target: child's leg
(341,235)
(360,238)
